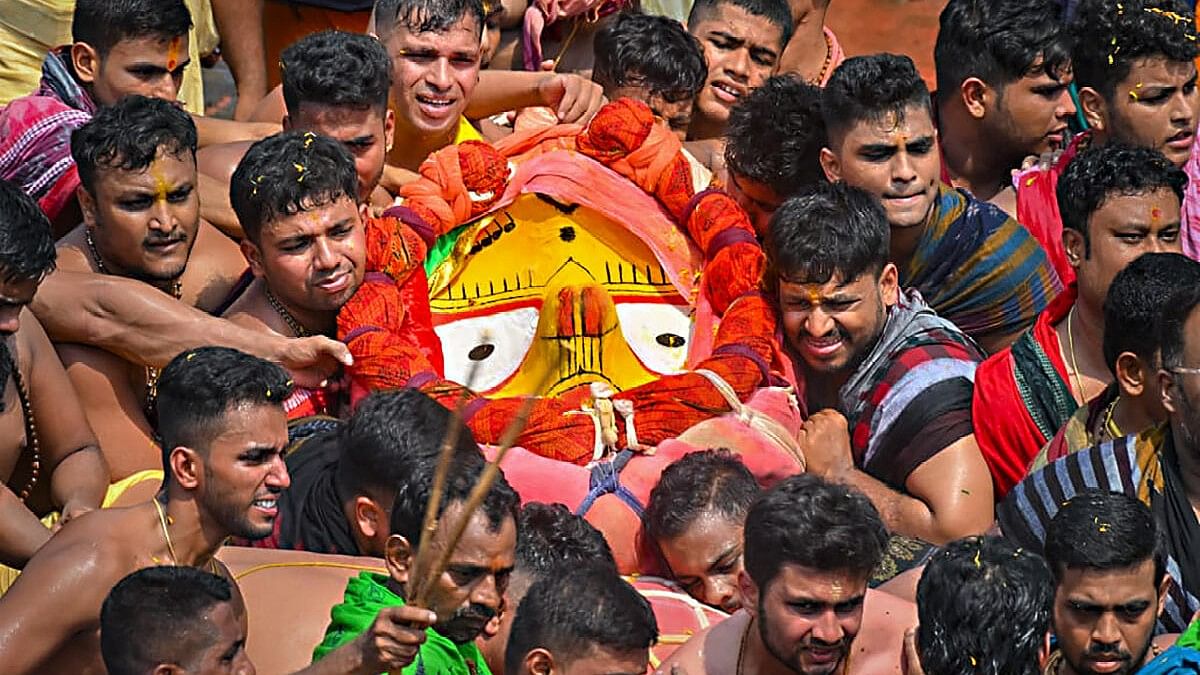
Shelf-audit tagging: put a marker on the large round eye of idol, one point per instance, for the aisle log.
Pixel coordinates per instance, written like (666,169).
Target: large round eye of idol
(494,346)
(658,333)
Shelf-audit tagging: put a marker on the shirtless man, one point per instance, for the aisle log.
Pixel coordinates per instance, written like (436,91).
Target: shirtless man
(810,547)
(63,444)
(306,264)
(742,42)
(223,428)
(141,220)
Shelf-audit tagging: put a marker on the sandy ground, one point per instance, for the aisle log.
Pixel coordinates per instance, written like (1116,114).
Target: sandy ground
(896,26)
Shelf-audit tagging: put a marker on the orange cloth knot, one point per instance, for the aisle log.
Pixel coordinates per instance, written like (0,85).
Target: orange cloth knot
(617,130)
(484,174)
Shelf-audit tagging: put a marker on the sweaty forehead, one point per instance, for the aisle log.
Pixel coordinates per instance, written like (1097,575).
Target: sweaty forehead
(893,127)
(461,37)
(482,544)
(340,122)
(172,169)
(154,49)
(736,22)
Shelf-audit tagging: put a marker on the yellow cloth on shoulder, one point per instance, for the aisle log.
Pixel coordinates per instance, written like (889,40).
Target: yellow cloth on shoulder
(8,575)
(466,132)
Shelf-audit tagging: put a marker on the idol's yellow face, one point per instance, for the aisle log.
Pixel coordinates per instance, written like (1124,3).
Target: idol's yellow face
(543,297)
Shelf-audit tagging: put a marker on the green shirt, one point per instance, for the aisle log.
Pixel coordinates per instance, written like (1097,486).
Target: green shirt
(368,593)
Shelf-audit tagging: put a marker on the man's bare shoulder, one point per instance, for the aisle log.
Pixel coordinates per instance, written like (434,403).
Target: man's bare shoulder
(251,311)
(214,269)
(880,642)
(73,255)
(712,650)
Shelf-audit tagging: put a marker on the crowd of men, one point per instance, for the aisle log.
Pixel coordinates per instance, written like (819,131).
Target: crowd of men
(989,295)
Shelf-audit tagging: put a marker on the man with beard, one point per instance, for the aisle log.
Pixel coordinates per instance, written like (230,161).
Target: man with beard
(891,379)
(223,434)
(975,266)
(137,168)
(742,42)
(1117,203)
(1105,552)
(296,196)
(985,608)
(1003,72)
(39,411)
(464,599)
(1135,68)
(810,547)
(1156,467)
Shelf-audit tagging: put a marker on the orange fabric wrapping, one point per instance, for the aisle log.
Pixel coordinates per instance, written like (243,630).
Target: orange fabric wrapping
(458,184)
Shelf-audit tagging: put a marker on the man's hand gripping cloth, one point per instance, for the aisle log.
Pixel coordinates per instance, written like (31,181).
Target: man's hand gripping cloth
(463,182)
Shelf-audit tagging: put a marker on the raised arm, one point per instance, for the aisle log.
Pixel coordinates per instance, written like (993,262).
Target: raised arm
(143,325)
(947,497)
(71,456)
(572,97)
(239,22)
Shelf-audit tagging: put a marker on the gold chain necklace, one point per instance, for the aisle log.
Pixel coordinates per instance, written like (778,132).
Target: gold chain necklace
(163,519)
(1074,363)
(292,323)
(151,372)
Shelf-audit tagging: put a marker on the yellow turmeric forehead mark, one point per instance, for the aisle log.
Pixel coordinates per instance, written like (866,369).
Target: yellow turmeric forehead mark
(162,188)
(173,48)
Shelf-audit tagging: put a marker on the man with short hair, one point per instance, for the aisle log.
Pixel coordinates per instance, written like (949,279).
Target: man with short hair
(1117,202)
(891,379)
(654,60)
(1003,72)
(810,548)
(137,172)
(584,620)
(1131,403)
(773,146)
(40,414)
(1111,582)
(550,541)
(464,599)
(1153,467)
(1135,68)
(223,433)
(975,266)
(985,608)
(344,481)
(742,42)
(177,620)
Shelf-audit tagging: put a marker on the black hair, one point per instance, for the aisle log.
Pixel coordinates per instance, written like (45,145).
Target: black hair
(156,615)
(869,89)
(336,68)
(389,429)
(999,42)
(778,12)
(1171,333)
(1111,35)
(984,607)
(412,494)
(26,245)
(713,480)
(423,16)
(287,173)
(550,538)
(200,386)
(655,52)
(1098,530)
(573,613)
(825,230)
(775,134)
(806,521)
(104,23)
(1097,173)
(1135,301)
(129,135)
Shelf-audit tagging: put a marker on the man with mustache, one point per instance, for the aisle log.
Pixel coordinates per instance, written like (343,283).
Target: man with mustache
(467,596)
(307,260)
(1155,467)
(1134,64)
(137,167)
(223,431)
(1003,70)
(891,379)
(975,266)
(1105,552)
(810,548)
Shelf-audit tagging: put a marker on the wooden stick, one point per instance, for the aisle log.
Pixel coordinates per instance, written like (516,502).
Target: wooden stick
(488,478)
(445,457)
